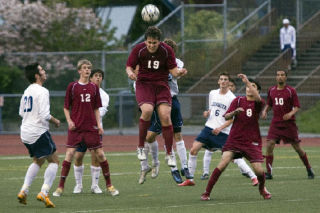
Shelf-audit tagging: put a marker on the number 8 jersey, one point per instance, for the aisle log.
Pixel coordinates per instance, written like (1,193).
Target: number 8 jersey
(35,112)
(218,106)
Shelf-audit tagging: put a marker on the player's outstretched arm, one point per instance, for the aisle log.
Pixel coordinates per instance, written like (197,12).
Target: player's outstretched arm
(253,90)
(230,115)
(176,72)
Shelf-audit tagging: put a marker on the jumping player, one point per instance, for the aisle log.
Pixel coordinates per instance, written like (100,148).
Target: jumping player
(96,77)
(285,104)
(35,111)
(244,139)
(83,98)
(155,60)
(155,129)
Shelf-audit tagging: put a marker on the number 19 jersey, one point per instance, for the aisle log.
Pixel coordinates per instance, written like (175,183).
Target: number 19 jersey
(218,105)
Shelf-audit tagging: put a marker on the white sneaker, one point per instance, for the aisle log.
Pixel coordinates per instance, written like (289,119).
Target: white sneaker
(143,175)
(77,189)
(171,160)
(141,154)
(113,191)
(155,170)
(58,192)
(96,189)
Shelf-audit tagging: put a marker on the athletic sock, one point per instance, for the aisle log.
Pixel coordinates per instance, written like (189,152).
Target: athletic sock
(30,175)
(106,173)
(206,161)
(49,176)
(244,167)
(143,129)
(192,164)
(213,179)
(305,160)
(269,161)
(78,173)
(144,163)
(167,133)
(64,173)
(95,174)
(182,153)
(154,150)
(261,179)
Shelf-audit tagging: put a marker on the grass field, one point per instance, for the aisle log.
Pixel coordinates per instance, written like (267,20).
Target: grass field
(290,188)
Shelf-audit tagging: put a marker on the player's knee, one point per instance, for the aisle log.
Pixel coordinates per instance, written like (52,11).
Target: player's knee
(194,151)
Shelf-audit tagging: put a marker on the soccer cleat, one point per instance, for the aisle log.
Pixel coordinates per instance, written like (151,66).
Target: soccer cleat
(141,154)
(22,197)
(187,173)
(45,198)
(205,196)
(58,192)
(170,159)
(269,176)
(96,189)
(155,170)
(205,176)
(187,183)
(113,191)
(265,194)
(77,189)
(310,173)
(176,176)
(254,181)
(143,175)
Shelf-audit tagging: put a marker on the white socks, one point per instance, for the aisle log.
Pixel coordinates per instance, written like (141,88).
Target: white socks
(49,176)
(206,161)
(182,153)
(144,163)
(78,173)
(154,150)
(192,164)
(95,174)
(244,168)
(30,175)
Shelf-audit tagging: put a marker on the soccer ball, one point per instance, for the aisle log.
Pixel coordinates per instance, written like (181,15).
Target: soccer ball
(150,13)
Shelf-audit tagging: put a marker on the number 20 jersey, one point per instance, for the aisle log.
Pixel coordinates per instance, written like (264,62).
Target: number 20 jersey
(218,105)
(83,99)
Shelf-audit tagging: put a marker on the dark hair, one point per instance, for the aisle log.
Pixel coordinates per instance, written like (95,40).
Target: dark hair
(225,74)
(153,32)
(171,43)
(97,71)
(30,71)
(256,83)
(233,81)
(286,72)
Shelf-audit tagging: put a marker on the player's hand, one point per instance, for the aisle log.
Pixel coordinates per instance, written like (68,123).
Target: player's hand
(100,130)
(206,113)
(243,77)
(216,131)
(182,72)
(264,115)
(57,123)
(71,125)
(238,110)
(287,116)
(132,75)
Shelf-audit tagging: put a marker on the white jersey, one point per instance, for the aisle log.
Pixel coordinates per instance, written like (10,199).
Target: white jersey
(218,105)
(105,103)
(288,36)
(35,112)
(172,81)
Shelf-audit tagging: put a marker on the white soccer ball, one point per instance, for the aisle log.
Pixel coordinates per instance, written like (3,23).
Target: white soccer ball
(150,13)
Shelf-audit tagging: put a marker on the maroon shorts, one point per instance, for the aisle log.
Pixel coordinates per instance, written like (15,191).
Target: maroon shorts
(153,93)
(252,151)
(287,131)
(91,139)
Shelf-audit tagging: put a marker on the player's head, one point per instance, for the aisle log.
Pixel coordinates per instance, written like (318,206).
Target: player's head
(34,72)
(171,43)
(152,38)
(255,84)
(232,85)
(97,76)
(223,80)
(285,22)
(84,68)
(281,77)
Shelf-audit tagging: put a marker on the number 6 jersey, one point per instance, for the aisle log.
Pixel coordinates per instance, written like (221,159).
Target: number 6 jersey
(35,112)
(218,106)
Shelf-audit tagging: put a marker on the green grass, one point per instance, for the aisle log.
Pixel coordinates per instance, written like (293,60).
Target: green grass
(308,121)
(291,190)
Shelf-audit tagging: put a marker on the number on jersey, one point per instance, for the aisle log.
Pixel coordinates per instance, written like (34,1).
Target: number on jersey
(85,97)
(153,64)
(279,101)
(28,101)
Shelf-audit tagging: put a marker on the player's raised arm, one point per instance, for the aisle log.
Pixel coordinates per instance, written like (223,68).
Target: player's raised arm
(253,90)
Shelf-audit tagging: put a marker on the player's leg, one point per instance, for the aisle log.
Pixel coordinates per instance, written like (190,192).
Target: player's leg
(164,112)
(145,168)
(144,124)
(206,164)
(78,167)
(246,170)
(95,174)
(269,157)
(304,158)
(257,167)
(226,158)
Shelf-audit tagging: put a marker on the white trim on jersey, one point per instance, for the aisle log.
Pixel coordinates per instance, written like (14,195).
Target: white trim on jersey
(35,112)
(218,105)
(105,103)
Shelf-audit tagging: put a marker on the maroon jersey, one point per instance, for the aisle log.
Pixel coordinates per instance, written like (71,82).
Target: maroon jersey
(245,127)
(83,100)
(282,101)
(152,66)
